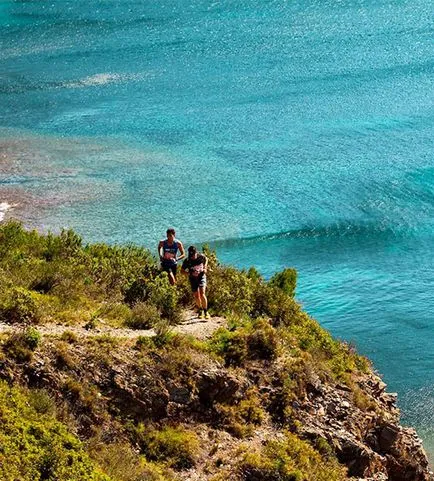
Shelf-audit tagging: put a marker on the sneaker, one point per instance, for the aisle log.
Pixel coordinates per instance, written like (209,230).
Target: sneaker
(207,316)
(202,315)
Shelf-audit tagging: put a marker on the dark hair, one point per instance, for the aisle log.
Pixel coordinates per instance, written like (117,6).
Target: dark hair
(192,250)
(170,231)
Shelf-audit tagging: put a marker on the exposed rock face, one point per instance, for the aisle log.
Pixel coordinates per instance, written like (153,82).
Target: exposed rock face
(367,438)
(363,430)
(217,385)
(144,396)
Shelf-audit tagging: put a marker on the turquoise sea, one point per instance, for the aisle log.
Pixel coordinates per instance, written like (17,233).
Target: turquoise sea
(286,133)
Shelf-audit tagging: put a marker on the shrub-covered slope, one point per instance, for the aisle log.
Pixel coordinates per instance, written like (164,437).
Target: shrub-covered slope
(271,396)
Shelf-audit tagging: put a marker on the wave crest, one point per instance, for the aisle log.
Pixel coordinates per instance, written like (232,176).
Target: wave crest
(335,230)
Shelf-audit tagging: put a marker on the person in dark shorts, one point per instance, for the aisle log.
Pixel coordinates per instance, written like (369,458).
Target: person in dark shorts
(168,252)
(196,266)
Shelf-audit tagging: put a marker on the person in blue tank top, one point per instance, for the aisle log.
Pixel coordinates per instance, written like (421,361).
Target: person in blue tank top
(168,252)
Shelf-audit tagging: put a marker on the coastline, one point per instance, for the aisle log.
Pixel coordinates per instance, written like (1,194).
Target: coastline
(19,204)
(20,200)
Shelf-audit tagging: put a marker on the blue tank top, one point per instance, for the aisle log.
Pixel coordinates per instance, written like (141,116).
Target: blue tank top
(169,252)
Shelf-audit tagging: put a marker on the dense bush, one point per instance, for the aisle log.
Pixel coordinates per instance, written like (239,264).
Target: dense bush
(122,463)
(19,305)
(289,460)
(230,290)
(241,418)
(57,275)
(285,280)
(35,447)
(245,339)
(176,446)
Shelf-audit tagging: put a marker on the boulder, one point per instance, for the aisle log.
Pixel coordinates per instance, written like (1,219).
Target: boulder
(218,386)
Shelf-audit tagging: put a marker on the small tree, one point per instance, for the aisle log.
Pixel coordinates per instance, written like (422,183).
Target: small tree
(285,280)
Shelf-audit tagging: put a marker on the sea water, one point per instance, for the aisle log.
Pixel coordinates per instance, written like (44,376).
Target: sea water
(285,133)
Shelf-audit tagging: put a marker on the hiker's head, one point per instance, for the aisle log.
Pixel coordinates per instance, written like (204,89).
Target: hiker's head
(192,252)
(170,233)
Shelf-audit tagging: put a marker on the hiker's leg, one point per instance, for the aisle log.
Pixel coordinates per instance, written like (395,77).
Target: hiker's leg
(197,299)
(171,273)
(172,278)
(203,299)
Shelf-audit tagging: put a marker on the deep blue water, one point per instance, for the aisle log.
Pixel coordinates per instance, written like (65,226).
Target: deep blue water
(288,133)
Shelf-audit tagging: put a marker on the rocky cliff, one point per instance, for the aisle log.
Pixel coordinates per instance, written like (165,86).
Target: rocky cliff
(107,389)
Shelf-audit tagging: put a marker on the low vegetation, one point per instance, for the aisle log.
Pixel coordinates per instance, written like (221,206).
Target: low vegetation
(290,459)
(35,446)
(153,398)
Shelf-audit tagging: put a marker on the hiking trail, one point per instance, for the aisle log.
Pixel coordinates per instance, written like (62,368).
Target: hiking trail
(190,325)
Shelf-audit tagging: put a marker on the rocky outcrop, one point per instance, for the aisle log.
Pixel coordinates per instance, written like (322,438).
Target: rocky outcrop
(358,423)
(364,433)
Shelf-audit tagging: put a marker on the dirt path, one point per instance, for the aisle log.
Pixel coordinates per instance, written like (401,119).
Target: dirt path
(191,324)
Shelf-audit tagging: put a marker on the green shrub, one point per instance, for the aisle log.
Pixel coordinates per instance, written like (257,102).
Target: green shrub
(34,446)
(20,345)
(46,276)
(19,305)
(165,298)
(144,343)
(122,463)
(70,242)
(240,419)
(254,275)
(255,339)
(324,448)
(262,340)
(175,446)
(69,337)
(32,338)
(163,333)
(158,292)
(289,382)
(144,315)
(230,290)
(117,311)
(289,460)
(231,345)
(83,393)
(73,388)
(283,309)
(118,268)
(41,401)
(285,280)
(63,356)
(135,292)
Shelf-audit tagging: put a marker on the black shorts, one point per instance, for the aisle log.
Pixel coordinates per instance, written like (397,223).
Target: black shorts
(196,282)
(169,268)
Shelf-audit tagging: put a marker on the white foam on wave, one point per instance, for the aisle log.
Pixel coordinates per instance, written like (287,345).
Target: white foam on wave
(21,51)
(103,79)
(4,207)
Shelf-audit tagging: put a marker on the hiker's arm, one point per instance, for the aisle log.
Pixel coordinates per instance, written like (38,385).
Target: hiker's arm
(160,245)
(205,266)
(181,250)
